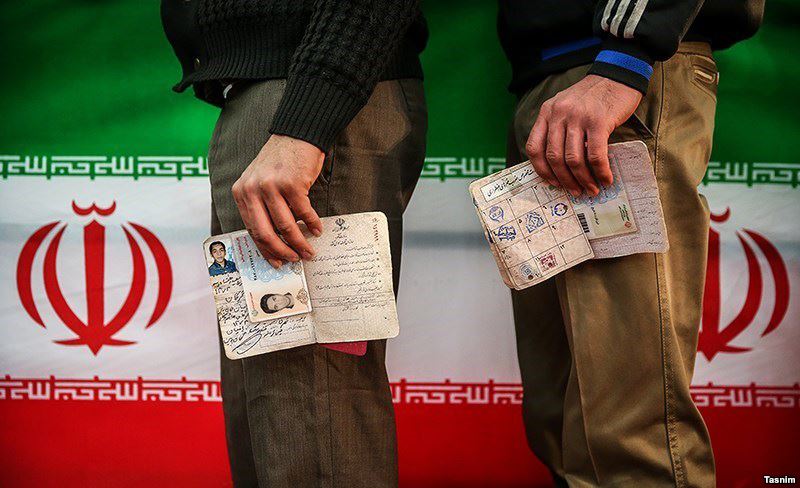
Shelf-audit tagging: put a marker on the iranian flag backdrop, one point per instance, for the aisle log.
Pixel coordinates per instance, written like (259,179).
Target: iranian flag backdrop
(108,357)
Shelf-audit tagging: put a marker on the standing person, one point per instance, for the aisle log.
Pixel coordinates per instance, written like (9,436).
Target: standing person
(607,349)
(323,113)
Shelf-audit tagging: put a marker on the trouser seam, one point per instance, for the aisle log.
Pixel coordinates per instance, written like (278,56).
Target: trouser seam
(568,324)
(330,415)
(663,313)
(247,417)
(669,407)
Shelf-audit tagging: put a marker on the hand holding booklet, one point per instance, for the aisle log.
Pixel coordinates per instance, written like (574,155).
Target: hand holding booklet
(340,298)
(535,230)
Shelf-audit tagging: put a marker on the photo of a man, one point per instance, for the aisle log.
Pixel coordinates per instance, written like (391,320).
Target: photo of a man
(273,302)
(220,265)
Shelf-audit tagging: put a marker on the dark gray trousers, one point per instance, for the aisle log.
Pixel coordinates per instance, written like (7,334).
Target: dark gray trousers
(309,416)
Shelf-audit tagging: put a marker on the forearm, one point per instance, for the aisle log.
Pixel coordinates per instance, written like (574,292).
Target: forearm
(344,51)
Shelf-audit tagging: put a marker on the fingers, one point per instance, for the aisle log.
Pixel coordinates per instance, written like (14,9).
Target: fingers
(302,209)
(284,222)
(263,233)
(259,225)
(535,147)
(274,262)
(569,143)
(574,157)
(270,216)
(597,155)
(555,158)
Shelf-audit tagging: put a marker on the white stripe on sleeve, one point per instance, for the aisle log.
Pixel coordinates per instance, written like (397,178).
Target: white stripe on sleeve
(607,14)
(636,16)
(621,10)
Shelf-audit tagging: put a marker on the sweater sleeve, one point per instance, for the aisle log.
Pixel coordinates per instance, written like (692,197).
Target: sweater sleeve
(344,50)
(637,33)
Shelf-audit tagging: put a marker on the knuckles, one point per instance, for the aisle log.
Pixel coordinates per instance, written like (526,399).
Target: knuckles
(532,150)
(595,158)
(577,114)
(284,227)
(249,187)
(243,188)
(277,184)
(562,107)
(591,122)
(304,214)
(236,189)
(573,160)
(265,185)
(552,155)
(258,238)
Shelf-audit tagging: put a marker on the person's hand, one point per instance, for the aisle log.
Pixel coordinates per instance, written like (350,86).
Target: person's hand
(568,144)
(272,194)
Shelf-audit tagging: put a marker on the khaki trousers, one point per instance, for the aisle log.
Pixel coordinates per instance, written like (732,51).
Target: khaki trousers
(310,416)
(607,349)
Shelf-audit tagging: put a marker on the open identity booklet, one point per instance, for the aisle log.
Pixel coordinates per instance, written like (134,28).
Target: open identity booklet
(535,230)
(344,296)
(341,298)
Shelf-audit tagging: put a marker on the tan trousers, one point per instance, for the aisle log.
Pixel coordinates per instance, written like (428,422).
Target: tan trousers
(607,349)
(309,416)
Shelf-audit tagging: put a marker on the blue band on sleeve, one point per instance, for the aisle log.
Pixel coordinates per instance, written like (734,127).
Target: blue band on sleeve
(569,47)
(626,61)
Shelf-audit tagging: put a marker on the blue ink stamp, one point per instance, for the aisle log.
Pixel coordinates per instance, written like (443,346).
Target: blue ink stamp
(610,193)
(506,233)
(496,213)
(607,193)
(559,209)
(526,270)
(533,221)
(582,199)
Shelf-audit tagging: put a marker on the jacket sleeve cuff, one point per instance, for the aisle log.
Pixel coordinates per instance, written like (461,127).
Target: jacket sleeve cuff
(314,110)
(624,62)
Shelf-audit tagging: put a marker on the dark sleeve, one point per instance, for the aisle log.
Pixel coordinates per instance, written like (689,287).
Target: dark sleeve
(343,52)
(637,33)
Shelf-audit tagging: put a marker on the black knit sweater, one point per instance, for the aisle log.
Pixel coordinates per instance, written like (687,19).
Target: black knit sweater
(332,53)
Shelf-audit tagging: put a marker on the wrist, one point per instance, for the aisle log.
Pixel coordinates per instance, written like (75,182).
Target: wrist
(314,110)
(617,100)
(295,144)
(624,61)
(616,86)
